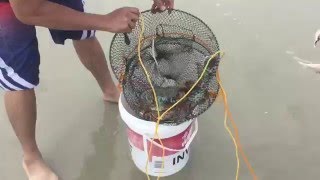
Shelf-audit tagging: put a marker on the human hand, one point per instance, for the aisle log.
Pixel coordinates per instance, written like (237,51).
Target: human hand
(122,20)
(162,5)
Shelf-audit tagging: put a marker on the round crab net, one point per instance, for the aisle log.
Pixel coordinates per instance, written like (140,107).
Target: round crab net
(175,48)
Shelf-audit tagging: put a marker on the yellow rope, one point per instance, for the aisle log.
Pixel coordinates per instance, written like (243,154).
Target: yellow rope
(160,117)
(156,101)
(226,125)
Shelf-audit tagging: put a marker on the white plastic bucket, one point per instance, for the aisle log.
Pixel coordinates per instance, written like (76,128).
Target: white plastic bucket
(176,141)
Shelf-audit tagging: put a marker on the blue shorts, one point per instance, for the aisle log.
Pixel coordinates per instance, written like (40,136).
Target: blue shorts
(19,54)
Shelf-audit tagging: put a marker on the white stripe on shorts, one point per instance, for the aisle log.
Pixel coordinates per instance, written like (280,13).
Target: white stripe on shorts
(8,83)
(3,87)
(14,76)
(92,33)
(84,35)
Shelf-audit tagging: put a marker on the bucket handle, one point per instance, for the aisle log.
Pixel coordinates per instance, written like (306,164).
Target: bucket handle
(169,149)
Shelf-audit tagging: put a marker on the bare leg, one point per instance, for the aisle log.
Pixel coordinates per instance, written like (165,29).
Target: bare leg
(92,57)
(21,110)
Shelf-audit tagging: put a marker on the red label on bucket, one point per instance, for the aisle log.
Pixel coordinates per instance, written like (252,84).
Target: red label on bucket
(177,142)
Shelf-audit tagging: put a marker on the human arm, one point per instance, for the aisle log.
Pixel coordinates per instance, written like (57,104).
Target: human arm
(52,15)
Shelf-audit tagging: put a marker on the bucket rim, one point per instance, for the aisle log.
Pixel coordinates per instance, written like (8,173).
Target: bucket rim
(147,128)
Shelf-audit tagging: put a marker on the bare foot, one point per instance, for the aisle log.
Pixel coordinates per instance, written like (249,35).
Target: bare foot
(36,169)
(112,96)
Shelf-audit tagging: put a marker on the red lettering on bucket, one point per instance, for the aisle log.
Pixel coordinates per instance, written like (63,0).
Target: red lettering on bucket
(135,138)
(176,142)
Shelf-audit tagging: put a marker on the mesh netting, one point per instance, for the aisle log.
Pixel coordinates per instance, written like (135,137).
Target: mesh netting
(176,47)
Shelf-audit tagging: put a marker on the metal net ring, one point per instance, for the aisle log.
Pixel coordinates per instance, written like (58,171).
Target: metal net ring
(175,48)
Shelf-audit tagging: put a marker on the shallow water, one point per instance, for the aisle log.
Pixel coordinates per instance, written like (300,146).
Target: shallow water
(273,100)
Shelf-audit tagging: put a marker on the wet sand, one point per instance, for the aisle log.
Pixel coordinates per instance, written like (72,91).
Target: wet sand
(274,101)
